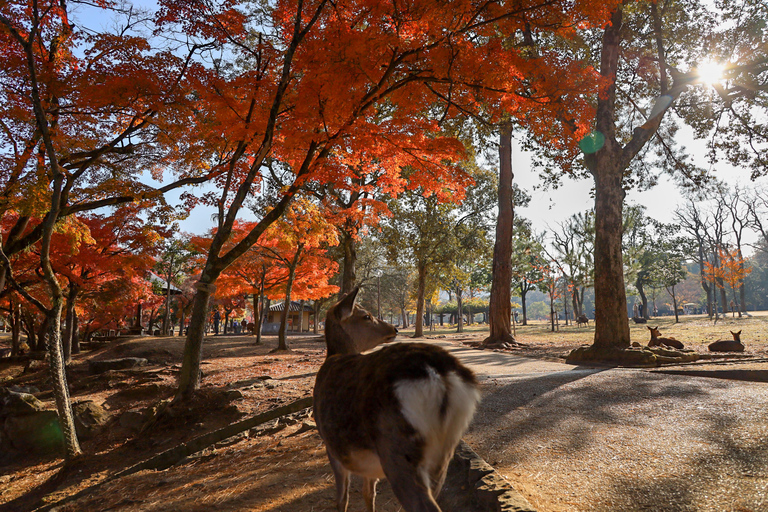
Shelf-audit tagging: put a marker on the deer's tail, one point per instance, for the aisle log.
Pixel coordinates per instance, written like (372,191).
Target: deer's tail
(439,407)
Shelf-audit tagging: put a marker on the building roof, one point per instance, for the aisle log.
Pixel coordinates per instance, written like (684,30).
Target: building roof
(295,306)
(154,278)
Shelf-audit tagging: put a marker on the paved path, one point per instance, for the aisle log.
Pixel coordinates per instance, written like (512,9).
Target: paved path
(574,438)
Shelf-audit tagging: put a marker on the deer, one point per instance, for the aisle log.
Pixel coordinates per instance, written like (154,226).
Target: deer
(657,340)
(396,413)
(582,319)
(734,345)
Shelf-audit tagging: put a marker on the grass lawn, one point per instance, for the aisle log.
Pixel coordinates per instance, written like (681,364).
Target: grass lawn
(695,331)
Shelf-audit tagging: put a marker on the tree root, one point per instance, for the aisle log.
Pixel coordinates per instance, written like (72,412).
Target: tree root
(505,342)
(643,357)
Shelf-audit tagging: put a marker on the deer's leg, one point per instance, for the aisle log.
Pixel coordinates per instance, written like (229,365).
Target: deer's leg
(438,478)
(409,482)
(369,493)
(341,475)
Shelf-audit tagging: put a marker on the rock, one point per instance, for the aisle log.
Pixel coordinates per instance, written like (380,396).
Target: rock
(34,365)
(24,389)
(247,383)
(38,432)
(233,394)
(90,417)
(124,363)
(636,344)
(133,419)
(18,404)
(306,426)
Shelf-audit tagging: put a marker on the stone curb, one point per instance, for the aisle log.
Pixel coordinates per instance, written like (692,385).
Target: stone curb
(488,490)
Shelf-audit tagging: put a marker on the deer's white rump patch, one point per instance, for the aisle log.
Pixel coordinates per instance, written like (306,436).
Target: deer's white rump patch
(420,403)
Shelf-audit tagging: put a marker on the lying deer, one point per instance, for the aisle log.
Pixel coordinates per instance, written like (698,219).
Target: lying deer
(734,345)
(396,413)
(657,340)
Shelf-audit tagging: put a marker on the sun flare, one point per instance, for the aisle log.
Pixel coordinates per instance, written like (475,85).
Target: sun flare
(710,72)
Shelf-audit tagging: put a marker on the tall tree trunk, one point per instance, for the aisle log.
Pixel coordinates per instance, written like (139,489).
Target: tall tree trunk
(500,302)
(15,329)
(643,299)
(459,311)
(421,287)
(189,375)
(525,309)
(671,291)
(281,340)
(42,334)
(348,275)
(182,318)
(611,320)
(723,297)
(167,317)
(75,333)
(67,341)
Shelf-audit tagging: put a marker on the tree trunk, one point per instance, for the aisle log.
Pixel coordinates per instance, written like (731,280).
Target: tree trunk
(59,380)
(316,309)
(674,303)
(42,334)
(523,293)
(69,330)
(167,317)
(500,301)
(348,275)
(189,375)
(182,319)
(75,333)
(611,320)
(459,312)
(422,285)
(723,297)
(281,341)
(15,329)
(607,166)
(643,299)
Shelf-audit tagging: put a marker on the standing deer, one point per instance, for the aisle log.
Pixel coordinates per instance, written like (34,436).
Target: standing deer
(734,345)
(657,340)
(582,319)
(396,413)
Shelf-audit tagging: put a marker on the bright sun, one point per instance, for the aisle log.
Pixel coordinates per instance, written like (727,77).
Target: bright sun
(710,72)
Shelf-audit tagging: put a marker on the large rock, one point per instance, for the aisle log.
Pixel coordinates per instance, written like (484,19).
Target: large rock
(90,417)
(38,432)
(18,404)
(125,363)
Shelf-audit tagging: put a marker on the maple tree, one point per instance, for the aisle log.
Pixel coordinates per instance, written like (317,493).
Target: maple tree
(731,270)
(98,252)
(72,144)
(323,88)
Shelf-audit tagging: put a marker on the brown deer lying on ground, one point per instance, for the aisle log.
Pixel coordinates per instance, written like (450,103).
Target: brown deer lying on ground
(734,345)
(657,340)
(398,412)
(582,319)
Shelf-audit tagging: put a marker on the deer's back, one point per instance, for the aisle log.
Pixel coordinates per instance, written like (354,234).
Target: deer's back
(358,396)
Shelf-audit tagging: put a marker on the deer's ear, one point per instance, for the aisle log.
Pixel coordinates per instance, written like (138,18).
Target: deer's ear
(346,304)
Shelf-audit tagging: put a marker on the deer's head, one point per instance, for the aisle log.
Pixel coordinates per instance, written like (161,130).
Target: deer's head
(350,329)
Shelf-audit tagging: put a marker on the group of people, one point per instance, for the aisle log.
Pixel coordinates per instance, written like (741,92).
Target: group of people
(238,326)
